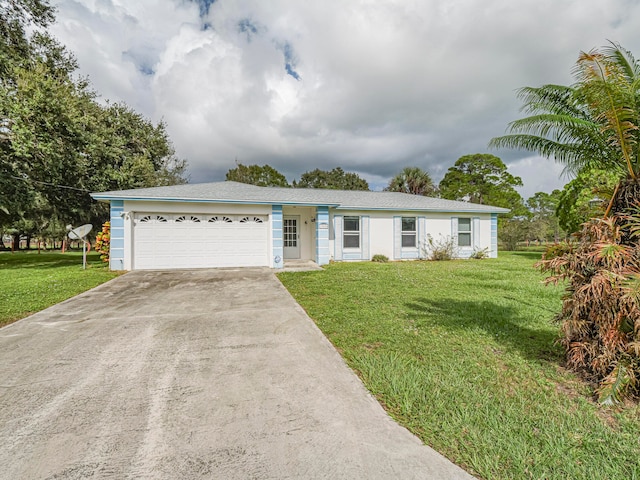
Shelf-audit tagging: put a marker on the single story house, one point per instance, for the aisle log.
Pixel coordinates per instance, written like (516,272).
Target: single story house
(230,224)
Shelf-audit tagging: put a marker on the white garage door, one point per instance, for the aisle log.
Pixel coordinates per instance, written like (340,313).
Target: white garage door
(199,241)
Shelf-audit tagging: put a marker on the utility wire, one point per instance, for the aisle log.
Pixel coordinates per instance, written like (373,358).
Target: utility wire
(49,184)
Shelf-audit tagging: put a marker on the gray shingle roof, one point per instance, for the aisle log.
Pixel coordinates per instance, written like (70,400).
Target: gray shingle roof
(234,192)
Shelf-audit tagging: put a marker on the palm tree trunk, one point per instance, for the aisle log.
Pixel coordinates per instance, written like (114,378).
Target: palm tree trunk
(625,199)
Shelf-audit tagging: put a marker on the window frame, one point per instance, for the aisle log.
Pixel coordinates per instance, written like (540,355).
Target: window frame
(351,233)
(409,233)
(467,233)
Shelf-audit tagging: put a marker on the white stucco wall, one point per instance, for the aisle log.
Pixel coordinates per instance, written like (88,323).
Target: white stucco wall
(438,225)
(381,234)
(306,229)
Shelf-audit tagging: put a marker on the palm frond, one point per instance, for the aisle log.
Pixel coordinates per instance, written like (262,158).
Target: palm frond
(558,99)
(572,155)
(612,388)
(566,129)
(594,122)
(607,91)
(624,59)
(634,348)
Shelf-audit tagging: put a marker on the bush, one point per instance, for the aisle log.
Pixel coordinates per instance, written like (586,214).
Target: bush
(103,241)
(479,254)
(443,249)
(511,231)
(556,250)
(380,258)
(600,314)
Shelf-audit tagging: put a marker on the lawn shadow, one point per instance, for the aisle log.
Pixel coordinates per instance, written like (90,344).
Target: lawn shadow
(45,260)
(528,255)
(505,324)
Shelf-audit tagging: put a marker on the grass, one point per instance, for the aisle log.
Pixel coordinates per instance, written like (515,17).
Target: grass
(462,353)
(30,282)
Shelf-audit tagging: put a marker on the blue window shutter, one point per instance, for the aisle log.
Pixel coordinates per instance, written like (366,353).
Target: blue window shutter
(476,232)
(337,241)
(422,236)
(276,233)
(454,230)
(116,248)
(364,238)
(397,237)
(322,235)
(494,235)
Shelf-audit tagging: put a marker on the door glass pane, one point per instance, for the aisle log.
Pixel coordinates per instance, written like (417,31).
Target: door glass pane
(290,232)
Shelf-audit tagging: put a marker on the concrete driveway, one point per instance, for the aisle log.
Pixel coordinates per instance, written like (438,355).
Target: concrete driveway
(188,375)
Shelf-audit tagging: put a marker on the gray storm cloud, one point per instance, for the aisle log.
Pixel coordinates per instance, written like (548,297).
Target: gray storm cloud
(369,86)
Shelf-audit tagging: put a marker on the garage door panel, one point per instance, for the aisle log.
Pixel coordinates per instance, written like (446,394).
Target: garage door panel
(178,241)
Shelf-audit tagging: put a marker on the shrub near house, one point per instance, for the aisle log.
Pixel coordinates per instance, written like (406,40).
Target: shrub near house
(103,242)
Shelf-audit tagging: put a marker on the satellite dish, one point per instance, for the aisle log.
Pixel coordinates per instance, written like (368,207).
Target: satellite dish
(80,233)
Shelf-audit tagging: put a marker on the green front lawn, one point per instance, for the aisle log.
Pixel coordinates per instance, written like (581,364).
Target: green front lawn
(462,353)
(30,282)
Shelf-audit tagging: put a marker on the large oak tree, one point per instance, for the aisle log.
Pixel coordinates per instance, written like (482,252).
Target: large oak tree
(482,178)
(57,143)
(261,175)
(336,179)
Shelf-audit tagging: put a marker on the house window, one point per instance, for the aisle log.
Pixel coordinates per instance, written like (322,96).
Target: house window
(351,234)
(409,232)
(464,232)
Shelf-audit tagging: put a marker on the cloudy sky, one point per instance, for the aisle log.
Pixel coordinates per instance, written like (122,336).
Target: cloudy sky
(369,85)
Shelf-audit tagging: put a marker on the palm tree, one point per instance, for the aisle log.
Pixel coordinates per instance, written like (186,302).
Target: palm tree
(594,123)
(412,180)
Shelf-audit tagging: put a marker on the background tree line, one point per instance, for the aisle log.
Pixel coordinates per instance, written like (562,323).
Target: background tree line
(57,141)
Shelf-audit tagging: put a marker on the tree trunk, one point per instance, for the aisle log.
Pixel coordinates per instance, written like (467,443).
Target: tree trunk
(626,199)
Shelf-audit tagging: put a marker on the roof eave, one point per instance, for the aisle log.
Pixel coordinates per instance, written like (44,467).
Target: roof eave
(107,198)
(423,209)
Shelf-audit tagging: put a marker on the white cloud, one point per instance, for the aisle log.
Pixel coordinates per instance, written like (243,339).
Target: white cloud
(542,175)
(382,84)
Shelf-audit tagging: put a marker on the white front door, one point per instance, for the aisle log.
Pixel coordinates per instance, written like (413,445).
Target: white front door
(291,236)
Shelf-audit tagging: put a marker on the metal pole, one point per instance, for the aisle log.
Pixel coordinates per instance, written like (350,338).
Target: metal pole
(84,254)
